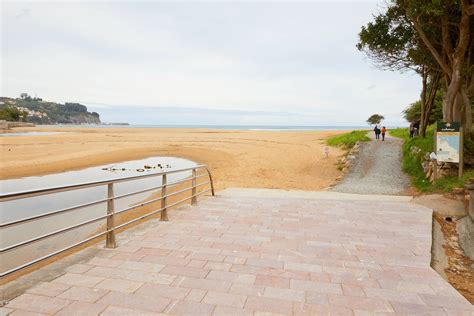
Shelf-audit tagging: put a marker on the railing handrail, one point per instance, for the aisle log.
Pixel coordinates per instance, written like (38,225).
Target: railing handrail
(10,196)
(111,212)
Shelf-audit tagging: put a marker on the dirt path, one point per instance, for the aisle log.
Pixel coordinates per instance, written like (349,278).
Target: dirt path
(377,169)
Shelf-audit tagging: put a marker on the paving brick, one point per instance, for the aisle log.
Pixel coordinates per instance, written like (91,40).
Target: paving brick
(269,305)
(38,303)
(394,296)
(191,308)
(160,290)
(84,294)
(231,276)
(318,287)
(273,281)
(218,266)
(310,309)
(78,279)
(185,271)
(25,313)
(205,284)
(197,263)
(165,260)
(48,289)
(231,311)
(264,263)
(224,299)
(141,266)
(284,294)
(150,277)
(104,262)
(235,260)
(114,310)
(196,295)
(119,285)
(247,289)
(107,272)
(352,290)
(81,309)
(363,303)
(134,301)
(303,267)
(78,268)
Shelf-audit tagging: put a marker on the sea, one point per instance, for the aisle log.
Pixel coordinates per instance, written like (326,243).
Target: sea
(223,127)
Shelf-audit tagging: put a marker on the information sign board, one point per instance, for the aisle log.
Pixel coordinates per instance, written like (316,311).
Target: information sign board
(448,141)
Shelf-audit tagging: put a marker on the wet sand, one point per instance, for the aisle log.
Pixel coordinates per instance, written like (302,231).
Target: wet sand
(256,159)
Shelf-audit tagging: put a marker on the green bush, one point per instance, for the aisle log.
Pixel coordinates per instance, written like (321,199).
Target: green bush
(411,163)
(348,140)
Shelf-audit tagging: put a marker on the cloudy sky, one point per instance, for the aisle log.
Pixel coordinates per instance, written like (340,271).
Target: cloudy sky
(248,63)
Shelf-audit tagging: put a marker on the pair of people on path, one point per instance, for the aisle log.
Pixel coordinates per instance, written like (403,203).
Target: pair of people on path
(380,131)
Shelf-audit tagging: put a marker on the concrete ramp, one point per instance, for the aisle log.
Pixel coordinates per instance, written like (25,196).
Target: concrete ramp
(247,252)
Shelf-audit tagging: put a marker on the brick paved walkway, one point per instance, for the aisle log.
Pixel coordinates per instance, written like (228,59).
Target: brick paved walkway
(241,255)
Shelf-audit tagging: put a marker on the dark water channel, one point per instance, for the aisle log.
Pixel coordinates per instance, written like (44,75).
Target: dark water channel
(15,210)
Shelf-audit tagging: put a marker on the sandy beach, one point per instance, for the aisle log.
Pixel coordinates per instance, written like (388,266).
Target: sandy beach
(258,159)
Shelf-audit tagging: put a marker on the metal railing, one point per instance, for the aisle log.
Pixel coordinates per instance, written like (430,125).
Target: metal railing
(111,212)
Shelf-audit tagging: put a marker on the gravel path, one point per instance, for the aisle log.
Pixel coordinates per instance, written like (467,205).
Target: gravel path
(377,169)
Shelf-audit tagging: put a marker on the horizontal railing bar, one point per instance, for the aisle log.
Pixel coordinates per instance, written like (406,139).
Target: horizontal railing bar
(94,237)
(27,219)
(72,208)
(150,189)
(29,241)
(30,193)
(51,254)
(157,211)
(62,230)
(156,199)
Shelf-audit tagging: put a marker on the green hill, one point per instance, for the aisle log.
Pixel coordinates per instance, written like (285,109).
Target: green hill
(46,112)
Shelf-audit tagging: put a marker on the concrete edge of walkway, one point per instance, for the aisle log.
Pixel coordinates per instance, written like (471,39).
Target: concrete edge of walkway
(321,195)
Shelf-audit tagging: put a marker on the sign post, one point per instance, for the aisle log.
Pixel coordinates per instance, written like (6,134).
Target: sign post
(449,144)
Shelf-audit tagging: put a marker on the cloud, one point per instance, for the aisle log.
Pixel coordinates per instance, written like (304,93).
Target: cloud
(253,56)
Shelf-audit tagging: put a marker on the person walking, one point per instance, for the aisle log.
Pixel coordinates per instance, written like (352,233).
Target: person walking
(383,130)
(377,131)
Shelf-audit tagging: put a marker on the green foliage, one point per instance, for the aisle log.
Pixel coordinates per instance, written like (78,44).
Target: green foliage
(348,140)
(411,163)
(12,114)
(390,41)
(56,113)
(413,112)
(375,119)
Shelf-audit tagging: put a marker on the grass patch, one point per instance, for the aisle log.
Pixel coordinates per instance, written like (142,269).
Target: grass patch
(348,140)
(411,162)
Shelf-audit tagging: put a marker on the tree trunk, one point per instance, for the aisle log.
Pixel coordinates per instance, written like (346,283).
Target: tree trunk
(423,114)
(429,99)
(467,113)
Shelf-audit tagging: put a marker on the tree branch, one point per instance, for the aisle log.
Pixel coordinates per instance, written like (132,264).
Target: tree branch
(430,47)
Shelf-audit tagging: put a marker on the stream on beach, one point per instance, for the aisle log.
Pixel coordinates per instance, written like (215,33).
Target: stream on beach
(15,210)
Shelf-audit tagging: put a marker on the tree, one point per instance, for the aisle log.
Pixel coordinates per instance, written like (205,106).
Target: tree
(434,39)
(375,119)
(445,29)
(391,42)
(11,114)
(413,112)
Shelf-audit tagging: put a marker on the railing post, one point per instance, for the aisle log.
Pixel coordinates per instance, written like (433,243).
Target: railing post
(110,236)
(193,190)
(212,183)
(164,212)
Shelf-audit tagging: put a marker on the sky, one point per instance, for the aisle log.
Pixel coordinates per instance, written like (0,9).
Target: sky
(202,63)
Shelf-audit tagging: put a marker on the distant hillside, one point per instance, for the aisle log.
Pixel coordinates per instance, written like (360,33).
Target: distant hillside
(45,112)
